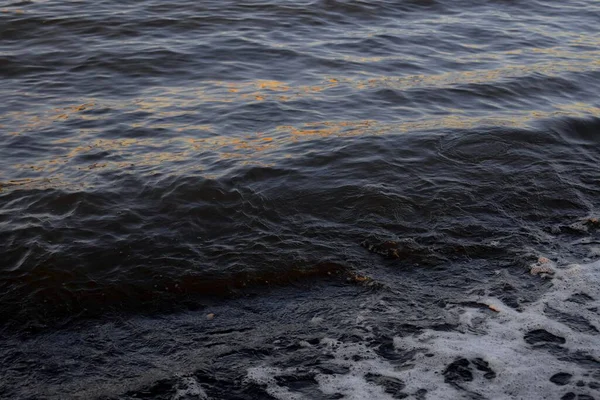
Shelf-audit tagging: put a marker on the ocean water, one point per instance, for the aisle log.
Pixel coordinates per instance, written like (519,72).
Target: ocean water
(300,200)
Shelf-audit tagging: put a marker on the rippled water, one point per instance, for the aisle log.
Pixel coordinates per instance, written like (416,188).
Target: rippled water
(161,161)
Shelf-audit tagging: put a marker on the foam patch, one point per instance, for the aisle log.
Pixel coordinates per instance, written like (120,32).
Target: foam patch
(550,349)
(189,388)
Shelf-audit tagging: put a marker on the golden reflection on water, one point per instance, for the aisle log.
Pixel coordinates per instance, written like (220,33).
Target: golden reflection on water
(32,121)
(164,111)
(14,11)
(564,61)
(254,148)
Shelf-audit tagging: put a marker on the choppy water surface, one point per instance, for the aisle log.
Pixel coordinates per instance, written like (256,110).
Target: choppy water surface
(185,187)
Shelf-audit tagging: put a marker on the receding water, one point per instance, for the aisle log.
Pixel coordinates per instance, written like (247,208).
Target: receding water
(299,200)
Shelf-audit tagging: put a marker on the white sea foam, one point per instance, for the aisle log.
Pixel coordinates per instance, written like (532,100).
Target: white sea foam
(266,376)
(569,310)
(189,388)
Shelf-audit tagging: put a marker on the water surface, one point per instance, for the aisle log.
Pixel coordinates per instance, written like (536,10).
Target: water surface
(164,161)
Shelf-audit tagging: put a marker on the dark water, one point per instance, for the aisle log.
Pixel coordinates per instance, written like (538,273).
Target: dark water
(161,161)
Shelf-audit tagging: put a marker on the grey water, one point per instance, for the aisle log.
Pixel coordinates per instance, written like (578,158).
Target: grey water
(185,187)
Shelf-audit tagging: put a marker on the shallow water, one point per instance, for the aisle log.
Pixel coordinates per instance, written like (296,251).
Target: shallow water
(161,162)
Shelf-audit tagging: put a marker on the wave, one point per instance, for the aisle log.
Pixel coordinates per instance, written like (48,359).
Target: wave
(458,196)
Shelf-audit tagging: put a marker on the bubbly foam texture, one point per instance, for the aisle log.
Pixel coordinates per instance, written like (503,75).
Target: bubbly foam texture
(358,358)
(362,362)
(265,376)
(523,370)
(189,388)
(496,353)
